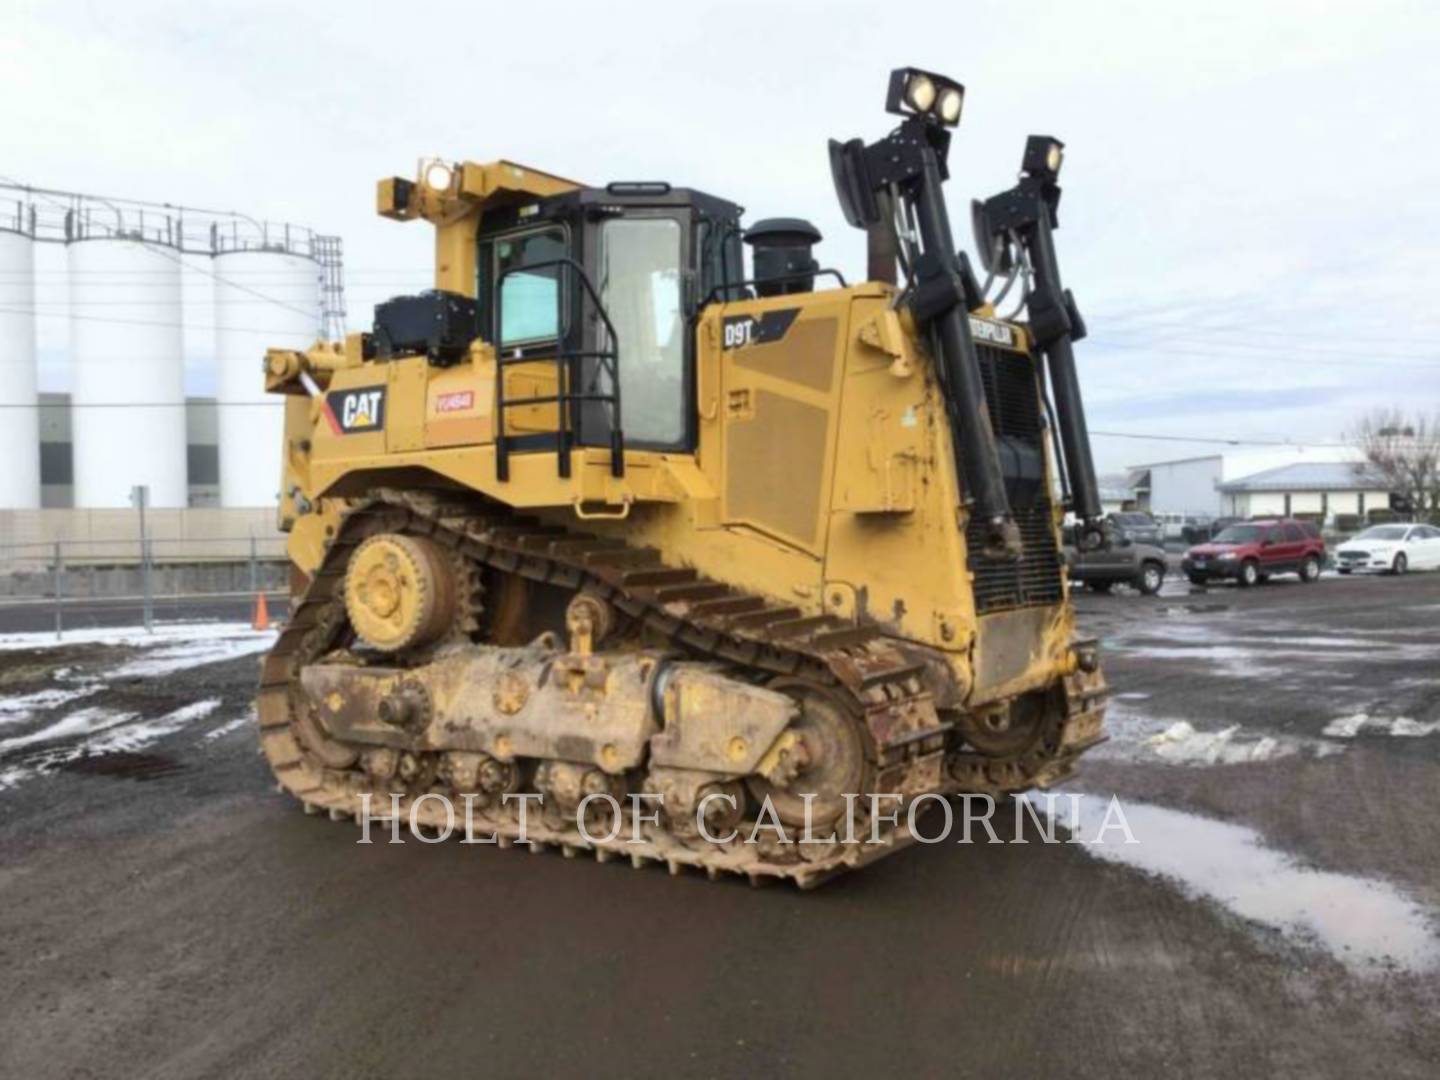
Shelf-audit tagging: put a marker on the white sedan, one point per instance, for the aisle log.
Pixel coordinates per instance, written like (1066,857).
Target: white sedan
(1395,548)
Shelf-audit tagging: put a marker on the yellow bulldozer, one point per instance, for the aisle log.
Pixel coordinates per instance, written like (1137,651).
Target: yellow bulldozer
(613,547)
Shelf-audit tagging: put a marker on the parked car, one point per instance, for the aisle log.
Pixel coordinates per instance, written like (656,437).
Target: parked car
(1189,528)
(1133,525)
(1124,562)
(1252,551)
(1196,529)
(1390,548)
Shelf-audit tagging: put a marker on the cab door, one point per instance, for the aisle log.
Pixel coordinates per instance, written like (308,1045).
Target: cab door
(641,260)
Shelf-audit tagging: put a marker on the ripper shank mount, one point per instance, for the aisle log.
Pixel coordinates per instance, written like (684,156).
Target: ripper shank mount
(1025,217)
(895,186)
(903,174)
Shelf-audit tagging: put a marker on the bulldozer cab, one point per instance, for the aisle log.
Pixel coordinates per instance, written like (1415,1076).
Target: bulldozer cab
(602,287)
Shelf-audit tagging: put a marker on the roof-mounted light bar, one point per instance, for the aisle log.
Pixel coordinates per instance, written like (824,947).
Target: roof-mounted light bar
(923,93)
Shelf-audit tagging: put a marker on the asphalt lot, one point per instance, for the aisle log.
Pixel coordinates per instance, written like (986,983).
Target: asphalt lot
(164,913)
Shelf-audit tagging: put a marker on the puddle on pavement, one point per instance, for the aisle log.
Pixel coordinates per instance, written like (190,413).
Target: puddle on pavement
(124,766)
(1195,608)
(1366,923)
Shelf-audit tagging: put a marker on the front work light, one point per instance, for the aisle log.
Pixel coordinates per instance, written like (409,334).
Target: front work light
(923,93)
(920,93)
(438,176)
(949,110)
(1043,156)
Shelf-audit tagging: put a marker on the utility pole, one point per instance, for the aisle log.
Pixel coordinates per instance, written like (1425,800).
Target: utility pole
(59,592)
(140,498)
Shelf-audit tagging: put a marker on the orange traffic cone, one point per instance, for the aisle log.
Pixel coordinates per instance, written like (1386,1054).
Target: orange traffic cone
(261,621)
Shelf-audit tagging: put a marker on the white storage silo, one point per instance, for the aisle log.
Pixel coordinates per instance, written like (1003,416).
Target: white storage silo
(263,299)
(126,349)
(19,417)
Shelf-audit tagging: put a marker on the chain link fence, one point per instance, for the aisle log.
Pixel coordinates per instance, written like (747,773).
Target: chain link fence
(112,582)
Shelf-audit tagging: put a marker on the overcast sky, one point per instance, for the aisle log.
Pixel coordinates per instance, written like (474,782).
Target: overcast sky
(1251,215)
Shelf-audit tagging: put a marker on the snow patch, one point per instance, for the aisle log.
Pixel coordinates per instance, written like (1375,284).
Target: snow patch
(85,722)
(1181,744)
(231,725)
(14,710)
(103,732)
(1347,727)
(134,737)
(164,633)
(1365,923)
(13,776)
(1135,736)
(167,660)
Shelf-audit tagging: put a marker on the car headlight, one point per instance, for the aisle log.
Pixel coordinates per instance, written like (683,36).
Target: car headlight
(1227,556)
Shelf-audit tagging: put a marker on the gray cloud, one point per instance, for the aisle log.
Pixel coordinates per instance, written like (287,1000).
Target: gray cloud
(1236,171)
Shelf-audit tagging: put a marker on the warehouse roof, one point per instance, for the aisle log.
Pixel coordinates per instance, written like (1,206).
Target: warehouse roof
(1310,476)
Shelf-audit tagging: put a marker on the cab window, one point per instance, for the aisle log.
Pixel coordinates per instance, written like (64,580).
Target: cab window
(641,287)
(529,300)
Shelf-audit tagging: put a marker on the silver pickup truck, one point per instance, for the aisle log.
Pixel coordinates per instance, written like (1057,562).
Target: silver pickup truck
(1124,562)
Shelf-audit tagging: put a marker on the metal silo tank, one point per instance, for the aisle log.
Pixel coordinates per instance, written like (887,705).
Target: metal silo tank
(128,360)
(19,417)
(263,298)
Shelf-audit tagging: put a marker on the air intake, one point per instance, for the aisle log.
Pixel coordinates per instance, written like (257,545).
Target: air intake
(783,261)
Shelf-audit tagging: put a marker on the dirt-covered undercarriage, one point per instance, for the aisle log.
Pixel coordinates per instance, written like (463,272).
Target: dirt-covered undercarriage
(648,721)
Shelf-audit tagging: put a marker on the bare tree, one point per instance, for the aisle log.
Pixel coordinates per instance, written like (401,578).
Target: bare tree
(1404,451)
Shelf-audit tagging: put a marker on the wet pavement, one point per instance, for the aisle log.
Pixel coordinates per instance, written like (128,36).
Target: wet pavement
(1276,752)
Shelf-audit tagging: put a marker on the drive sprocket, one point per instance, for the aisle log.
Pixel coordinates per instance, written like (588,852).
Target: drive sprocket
(405,592)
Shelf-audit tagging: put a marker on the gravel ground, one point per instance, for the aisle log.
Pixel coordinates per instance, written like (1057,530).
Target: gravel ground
(164,913)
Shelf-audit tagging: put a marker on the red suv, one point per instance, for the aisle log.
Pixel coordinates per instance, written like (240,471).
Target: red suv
(1250,551)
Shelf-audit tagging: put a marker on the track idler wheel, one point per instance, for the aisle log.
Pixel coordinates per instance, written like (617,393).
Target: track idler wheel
(834,763)
(1012,728)
(401,592)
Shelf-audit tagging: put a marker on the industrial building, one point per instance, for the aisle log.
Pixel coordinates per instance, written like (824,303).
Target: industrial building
(1193,485)
(201,461)
(126,420)
(1324,490)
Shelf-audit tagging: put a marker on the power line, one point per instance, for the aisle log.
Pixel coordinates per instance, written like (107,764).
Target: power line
(233,284)
(197,403)
(1266,325)
(164,324)
(1301,357)
(1221,440)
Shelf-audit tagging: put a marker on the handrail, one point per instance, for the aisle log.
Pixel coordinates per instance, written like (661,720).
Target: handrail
(563,359)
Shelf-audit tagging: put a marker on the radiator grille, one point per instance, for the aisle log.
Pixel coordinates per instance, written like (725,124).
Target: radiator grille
(1035,580)
(1010,392)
